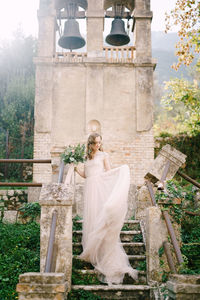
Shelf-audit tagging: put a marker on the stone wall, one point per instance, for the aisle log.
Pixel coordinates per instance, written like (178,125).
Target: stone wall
(42,147)
(10,202)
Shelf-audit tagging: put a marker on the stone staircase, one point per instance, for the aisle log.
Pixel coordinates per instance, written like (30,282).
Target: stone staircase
(85,284)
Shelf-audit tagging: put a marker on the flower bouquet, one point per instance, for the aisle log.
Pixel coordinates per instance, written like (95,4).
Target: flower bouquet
(72,156)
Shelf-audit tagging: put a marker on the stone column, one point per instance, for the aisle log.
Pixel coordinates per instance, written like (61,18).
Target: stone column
(46,38)
(42,286)
(144,65)
(57,197)
(156,234)
(142,30)
(43,89)
(95,24)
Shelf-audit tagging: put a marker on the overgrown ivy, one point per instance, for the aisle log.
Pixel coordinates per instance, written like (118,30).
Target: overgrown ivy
(190,224)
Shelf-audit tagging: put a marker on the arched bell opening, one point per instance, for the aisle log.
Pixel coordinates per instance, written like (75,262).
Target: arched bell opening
(118,23)
(71,26)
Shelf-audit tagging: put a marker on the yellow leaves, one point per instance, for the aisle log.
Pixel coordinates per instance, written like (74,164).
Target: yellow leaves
(185,16)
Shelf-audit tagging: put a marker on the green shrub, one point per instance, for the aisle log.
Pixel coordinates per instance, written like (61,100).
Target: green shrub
(30,211)
(19,253)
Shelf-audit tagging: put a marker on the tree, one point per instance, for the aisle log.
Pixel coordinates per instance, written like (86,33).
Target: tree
(185,16)
(183,98)
(17,99)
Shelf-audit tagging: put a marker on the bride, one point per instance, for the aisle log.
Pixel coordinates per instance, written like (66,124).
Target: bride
(105,207)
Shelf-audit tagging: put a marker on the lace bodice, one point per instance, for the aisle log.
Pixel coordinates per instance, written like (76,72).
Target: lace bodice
(95,166)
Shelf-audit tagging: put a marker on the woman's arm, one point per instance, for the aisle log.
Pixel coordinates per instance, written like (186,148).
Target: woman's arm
(80,172)
(107,163)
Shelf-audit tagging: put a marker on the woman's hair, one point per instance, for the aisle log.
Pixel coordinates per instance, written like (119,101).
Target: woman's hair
(90,143)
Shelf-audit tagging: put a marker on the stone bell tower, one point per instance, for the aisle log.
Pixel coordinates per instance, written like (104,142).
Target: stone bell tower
(103,88)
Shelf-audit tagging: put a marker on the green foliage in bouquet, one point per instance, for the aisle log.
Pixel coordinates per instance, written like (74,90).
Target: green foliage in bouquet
(74,154)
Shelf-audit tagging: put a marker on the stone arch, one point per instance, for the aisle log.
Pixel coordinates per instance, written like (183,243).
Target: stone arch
(59,4)
(93,126)
(128,3)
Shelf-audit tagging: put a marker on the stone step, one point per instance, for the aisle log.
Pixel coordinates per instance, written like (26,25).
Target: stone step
(136,261)
(130,248)
(125,236)
(126,221)
(128,292)
(128,225)
(90,276)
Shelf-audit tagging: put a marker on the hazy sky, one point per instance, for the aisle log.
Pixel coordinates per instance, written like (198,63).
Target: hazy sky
(24,12)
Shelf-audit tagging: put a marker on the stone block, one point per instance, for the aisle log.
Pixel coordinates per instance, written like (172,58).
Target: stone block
(184,287)
(10,216)
(56,194)
(167,153)
(34,194)
(156,234)
(42,286)
(143,201)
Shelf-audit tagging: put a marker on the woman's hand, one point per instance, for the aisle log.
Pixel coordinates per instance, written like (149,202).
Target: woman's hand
(81,173)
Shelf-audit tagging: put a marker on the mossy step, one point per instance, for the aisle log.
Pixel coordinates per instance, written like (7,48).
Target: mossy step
(131,248)
(131,292)
(136,261)
(126,221)
(125,236)
(128,225)
(90,277)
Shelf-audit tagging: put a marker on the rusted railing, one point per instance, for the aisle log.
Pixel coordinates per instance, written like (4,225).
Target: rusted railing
(173,237)
(189,179)
(119,54)
(150,188)
(51,250)
(61,172)
(49,266)
(167,221)
(21,161)
(168,254)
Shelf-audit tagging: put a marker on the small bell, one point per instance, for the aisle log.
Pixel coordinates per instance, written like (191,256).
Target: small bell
(118,35)
(71,38)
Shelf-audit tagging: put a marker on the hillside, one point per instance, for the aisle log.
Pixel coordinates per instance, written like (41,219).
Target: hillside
(163,50)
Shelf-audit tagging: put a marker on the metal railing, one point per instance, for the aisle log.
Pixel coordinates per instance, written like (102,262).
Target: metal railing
(50,257)
(21,161)
(167,218)
(50,263)
(168,224)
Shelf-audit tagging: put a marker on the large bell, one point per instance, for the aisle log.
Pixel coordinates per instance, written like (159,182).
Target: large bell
(118,35)
(71,38)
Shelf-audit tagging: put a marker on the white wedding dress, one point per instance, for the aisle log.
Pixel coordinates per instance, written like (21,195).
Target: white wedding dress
(105,207)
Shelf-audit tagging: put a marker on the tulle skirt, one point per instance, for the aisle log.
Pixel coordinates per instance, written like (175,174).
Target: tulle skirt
(105,207)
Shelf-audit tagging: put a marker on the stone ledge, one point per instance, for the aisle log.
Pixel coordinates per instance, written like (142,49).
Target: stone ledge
(45,278)
(184,286)
(31,288)
(142,14)
(41,284)
(56,194)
